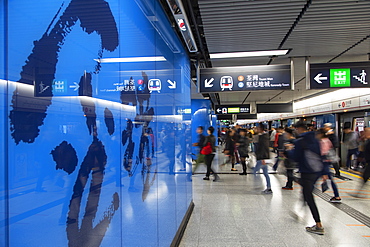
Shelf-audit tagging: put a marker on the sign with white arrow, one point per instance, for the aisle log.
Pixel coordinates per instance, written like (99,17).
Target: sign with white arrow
(172,84)
(245,78)
(232,109)
(208,83)
(75,86)
(319,77)
(339,75)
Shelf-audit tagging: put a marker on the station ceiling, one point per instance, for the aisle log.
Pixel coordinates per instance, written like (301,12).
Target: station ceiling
(325,31)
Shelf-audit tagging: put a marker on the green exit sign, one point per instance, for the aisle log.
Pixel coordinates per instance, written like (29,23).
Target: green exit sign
(340,77)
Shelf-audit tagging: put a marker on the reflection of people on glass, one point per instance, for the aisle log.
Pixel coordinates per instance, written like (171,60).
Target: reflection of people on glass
(210,140)
(148,177)
(94,163)
(169,149)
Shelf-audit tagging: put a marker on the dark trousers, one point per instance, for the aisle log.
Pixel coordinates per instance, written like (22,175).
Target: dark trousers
(208,161)
(307,182)
(244,164)
(336,168)
(290,177)
(366,174)
(349,154)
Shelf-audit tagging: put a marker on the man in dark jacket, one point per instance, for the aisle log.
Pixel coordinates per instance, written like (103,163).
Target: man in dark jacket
(262,152)
(309,173)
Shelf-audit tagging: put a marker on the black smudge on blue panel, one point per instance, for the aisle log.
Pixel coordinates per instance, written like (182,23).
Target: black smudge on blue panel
(65,157)
(109,121)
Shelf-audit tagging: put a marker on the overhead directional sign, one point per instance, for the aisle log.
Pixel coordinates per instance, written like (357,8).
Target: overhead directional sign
(232,109)
(339,75)
(245,78)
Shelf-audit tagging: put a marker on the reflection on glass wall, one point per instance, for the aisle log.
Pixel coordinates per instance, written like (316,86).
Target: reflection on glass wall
(98,124)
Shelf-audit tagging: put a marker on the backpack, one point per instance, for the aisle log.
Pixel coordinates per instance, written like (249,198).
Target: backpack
(314,161)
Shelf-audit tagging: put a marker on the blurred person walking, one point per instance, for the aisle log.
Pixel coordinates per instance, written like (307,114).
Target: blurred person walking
(199,144)
(306,152)
(351,142)
(243,146)
(279,145)
(262,152)
(272,137)
(366,172)
(229,150)
(290,165)
(329,132)
(327,151)
(209,151)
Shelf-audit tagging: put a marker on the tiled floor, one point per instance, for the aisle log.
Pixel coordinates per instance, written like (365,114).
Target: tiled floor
(234,212)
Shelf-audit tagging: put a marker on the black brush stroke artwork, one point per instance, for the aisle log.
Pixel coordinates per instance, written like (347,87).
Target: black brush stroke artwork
(40,70)
(40,67)
(66,157)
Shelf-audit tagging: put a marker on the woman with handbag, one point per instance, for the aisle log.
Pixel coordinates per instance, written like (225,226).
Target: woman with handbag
(209,151)
(325,147)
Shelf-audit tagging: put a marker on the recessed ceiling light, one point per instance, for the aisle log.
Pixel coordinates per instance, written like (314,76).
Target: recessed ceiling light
(130,59)
(250,54)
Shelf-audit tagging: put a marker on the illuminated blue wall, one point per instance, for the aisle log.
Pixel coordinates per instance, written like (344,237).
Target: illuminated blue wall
(97,150)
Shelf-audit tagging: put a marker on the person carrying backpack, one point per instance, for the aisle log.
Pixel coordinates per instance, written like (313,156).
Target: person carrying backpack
(306,152)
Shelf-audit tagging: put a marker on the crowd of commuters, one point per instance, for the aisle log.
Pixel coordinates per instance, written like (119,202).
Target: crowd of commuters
(302,148)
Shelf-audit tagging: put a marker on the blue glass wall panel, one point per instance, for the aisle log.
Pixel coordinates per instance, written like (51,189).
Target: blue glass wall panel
(3,201)
(98,144)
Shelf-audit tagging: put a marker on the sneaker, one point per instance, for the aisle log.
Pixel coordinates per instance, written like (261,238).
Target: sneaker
(315,229)
(233,169)
(267,191)
(286,188)
(206,178)
(334,199)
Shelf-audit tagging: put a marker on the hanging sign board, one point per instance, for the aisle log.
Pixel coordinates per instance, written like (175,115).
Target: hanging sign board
(339,75)
(245,78)
(232,109)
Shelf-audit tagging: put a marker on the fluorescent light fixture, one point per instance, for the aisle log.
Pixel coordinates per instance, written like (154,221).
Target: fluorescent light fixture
(249,54)
(131,59)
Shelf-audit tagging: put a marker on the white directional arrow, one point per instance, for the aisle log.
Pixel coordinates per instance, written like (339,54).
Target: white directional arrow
(75,86)
(218,110)
(318,78)
(208,83)
(173,84)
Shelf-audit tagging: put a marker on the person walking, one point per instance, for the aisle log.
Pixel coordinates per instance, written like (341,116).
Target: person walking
(290,165)
(243,146)
(366,172)
(335,142)
(229,150)
(351,141)
(326,147)
(262,152)
(209,151)
(279,140)
(310,169)
(199,144)
(272,137)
